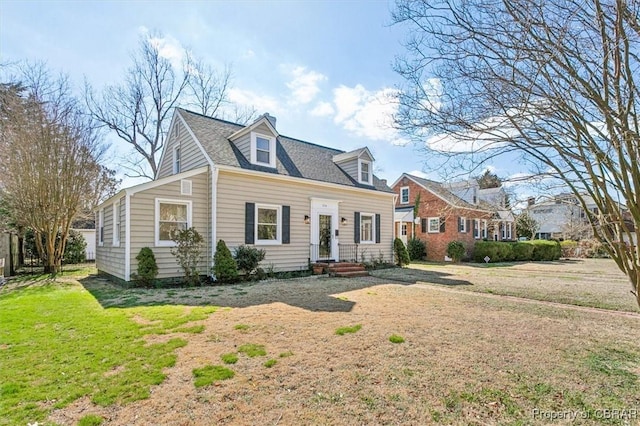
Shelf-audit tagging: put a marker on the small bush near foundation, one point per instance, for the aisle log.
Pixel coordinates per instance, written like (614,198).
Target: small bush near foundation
(456,250)
(147,267)
(225,268)
(417,249)
(402,256)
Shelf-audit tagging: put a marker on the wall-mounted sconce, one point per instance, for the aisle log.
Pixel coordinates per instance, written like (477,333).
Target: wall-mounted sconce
(307,220)
(416,220)
(343,221)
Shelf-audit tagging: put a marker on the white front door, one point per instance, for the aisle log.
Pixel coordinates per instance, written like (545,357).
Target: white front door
(324,230)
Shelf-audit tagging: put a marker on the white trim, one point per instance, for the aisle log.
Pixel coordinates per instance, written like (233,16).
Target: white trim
(127,238)
(462,220)
(484,228)
(237,170)
(373,228)
(331,208)
(254,149)
(356,153)
(255,124)
(188,203)
(115,214)
(429,231)
(101,227)
(370,172)
(214,213)
(402,188)
(278,239)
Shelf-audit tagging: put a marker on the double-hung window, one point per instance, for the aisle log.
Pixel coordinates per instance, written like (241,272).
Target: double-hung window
(484,229)
(404,195)
(434,225)
(476,229)
(263,150)
(364,172)
(116,224)
(367,229)
(462,224)
(268,224)
(101,227)
(171,216)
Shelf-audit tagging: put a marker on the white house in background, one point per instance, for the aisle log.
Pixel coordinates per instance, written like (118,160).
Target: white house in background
(299,201)
(561,216)
(90,238)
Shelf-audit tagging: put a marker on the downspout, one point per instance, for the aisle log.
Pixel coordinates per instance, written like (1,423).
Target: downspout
(127,238)
(214,222)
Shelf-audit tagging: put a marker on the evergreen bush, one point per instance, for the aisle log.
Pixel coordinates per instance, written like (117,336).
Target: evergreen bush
(147,267)
(402,256)
(224,267)
(248,258)
(456,250)
(417,249)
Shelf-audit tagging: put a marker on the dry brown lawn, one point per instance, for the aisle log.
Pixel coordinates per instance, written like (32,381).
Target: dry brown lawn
(468,358)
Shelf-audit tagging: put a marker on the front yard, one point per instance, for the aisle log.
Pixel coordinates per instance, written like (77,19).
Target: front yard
(409,346)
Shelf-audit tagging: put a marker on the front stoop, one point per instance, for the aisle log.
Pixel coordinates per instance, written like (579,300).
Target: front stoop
(344,269)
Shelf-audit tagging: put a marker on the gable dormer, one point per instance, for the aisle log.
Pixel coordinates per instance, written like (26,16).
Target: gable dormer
(257,141)
(358,164)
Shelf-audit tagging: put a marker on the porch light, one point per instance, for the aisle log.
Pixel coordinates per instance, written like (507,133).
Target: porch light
(307,220)
(416,221)
(343,221)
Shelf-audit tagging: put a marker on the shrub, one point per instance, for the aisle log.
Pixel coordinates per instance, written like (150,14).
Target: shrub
(569,248)
(74,250)
(188,252)
(522,251)
(456,250)
(417,249)
(402,256)
(247,258)
(497,251)
(147,267)
(224,267)
(545,250)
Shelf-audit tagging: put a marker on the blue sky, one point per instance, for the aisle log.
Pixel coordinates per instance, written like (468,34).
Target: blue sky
(323,68)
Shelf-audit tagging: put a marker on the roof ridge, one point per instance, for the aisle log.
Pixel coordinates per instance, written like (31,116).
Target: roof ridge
(209,117)
(311,143)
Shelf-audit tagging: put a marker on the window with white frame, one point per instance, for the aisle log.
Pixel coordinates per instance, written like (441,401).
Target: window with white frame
(404,229)
(171,216)
(404,195)
(116,224)
(503,231)
(268,224)
(367,229)
(476,229)
(508,231)
(263,150)
(176,160)
(484,228)
(101,227)
(462,224)
(364,172)
(434,225)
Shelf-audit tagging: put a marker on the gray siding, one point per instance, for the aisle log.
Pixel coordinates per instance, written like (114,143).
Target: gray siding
(244,145)
(234,190)
(191,155)
(110,258)
(351,168)
(143,225)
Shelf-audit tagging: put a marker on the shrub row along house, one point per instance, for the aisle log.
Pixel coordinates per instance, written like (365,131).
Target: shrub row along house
(298,201)
(458,211)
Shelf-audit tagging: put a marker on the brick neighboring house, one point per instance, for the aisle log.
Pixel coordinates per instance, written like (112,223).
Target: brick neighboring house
(444,216)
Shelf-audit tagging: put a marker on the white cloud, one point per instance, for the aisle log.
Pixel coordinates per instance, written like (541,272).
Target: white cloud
(304,85)
(249,98)
(168,47)
(368,114)
(490,134)
(322,109)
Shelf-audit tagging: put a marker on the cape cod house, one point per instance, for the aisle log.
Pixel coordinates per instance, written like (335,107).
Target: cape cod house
(299,201)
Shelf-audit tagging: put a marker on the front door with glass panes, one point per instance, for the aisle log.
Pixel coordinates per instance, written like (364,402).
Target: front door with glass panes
(324,230)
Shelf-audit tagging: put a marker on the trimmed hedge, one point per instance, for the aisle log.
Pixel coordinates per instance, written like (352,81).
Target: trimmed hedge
(498,251)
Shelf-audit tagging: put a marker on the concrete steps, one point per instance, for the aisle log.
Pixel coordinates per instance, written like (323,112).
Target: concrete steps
(344,269)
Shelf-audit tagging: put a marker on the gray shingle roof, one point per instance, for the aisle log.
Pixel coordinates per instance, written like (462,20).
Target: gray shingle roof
(294,157)
(440,190)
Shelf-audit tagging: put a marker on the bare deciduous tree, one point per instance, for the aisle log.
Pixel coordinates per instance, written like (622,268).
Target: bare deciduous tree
(552,80)
(52,152)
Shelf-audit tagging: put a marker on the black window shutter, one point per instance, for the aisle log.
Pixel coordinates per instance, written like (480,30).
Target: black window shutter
(356,227)
(286,228)
(468,225)
(249,223)
(443,221)
(423,223)
(377,229)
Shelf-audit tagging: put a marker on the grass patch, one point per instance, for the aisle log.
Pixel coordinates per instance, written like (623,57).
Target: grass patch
(270,363)
(241,327)
(394,338)
(196,329)
(59,344)
(286,354)
(230,358)
(352,329)
(211,373)
(252,350)
(90,420)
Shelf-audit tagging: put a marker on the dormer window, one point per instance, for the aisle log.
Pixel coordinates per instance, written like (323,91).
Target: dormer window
(364,172)
(263,150)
